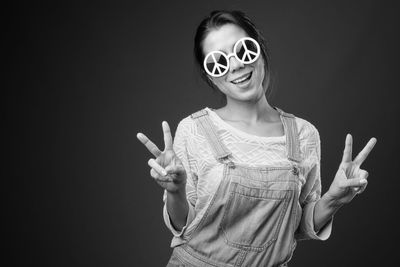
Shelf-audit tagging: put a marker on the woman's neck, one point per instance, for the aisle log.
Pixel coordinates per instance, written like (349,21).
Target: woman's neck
(249,112)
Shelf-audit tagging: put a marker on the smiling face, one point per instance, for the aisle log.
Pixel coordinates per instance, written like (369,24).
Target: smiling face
(243,82)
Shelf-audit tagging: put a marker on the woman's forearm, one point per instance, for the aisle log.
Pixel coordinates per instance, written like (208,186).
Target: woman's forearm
(178,208)
(324,209)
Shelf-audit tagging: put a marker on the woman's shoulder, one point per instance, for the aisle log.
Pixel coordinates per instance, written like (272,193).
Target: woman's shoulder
(305,128)
(188,123)
(308,132)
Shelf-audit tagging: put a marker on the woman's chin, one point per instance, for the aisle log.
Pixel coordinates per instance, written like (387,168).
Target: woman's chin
(248,95)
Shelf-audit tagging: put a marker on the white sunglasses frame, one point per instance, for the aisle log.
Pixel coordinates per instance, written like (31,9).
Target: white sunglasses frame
(227,57)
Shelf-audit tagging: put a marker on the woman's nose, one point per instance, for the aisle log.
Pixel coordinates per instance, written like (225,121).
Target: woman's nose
(235,64)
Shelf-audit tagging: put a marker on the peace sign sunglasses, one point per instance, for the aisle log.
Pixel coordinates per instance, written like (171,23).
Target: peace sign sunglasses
(246,50)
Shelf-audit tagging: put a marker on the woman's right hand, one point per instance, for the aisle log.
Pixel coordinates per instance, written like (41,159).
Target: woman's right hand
(167,169)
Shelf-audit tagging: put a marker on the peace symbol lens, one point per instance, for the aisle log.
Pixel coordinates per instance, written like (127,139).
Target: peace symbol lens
(246,50)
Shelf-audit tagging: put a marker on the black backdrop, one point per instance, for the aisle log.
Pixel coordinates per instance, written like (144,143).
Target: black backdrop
(82,80)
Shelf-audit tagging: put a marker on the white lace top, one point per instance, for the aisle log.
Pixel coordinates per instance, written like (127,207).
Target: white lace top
(204,172)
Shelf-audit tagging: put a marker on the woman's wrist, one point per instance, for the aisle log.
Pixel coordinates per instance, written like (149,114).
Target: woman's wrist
(178,208)
(324,210)
(179,192)
(178,196)
(331,202)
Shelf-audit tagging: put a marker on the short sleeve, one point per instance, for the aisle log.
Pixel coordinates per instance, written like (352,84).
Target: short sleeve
(311,191)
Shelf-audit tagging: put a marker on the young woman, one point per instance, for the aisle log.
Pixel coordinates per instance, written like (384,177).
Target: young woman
(242,182)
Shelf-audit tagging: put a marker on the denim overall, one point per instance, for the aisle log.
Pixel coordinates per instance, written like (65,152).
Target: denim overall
(252,218)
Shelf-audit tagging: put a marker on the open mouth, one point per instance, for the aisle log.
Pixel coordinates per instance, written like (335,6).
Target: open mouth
(243,79)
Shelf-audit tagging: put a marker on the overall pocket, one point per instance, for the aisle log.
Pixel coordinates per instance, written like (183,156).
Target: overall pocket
(253,216)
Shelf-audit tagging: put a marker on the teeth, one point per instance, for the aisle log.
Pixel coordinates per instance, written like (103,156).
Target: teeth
(241,79)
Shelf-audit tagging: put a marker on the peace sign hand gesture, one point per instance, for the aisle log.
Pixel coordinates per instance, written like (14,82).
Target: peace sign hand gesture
(350,179)
(167,169)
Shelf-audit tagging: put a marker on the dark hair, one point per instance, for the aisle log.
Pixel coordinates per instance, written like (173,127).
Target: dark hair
(219,18)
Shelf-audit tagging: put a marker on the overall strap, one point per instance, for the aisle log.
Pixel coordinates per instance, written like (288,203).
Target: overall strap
(292,136)
(207,127)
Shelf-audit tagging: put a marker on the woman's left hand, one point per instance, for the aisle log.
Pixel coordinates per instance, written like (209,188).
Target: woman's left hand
(350,179)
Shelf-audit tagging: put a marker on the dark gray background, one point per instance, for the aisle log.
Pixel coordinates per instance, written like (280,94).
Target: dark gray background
(82,80)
